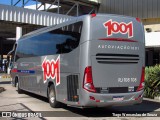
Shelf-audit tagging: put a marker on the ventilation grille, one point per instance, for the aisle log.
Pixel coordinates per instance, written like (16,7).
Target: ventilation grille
(72,86)
(117,58)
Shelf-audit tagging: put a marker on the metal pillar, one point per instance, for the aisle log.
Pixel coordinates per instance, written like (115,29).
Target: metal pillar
(58,6)
(77,9)
(17,2)
(36,4)
(71,9)
(18,32)
(51,5)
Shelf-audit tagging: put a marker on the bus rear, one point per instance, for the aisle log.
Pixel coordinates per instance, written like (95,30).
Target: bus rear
(114,61)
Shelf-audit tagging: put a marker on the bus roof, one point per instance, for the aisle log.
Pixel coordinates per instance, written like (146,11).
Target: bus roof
(42,30)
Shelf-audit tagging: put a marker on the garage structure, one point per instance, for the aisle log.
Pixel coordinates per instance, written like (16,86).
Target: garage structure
(17,18)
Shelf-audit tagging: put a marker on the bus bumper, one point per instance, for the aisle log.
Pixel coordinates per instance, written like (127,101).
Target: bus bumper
(103,100)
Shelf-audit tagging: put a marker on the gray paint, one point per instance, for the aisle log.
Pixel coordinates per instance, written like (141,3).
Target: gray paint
(137,8)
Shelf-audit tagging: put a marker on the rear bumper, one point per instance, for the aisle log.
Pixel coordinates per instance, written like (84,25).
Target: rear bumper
(103,100)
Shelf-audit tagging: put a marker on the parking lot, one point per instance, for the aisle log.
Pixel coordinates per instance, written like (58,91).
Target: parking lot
(10,100)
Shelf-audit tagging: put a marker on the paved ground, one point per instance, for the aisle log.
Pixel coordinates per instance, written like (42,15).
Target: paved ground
(10,100)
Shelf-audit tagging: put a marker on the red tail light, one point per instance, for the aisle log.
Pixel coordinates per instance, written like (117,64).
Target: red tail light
(88,81)
(141,85)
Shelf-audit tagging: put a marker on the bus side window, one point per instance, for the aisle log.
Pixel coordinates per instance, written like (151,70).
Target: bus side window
(58,41)
(13,55)
(72,35)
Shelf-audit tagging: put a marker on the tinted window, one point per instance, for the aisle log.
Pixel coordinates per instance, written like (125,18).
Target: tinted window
(59,41)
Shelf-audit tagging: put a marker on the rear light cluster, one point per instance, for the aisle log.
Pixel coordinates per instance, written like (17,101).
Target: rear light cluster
(142,83)
(88,81)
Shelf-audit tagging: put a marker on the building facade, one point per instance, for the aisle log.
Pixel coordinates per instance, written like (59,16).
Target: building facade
(149,12)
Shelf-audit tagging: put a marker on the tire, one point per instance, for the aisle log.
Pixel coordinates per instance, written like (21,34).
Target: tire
(12,83)
(17,85)
(15,82)
(52,97)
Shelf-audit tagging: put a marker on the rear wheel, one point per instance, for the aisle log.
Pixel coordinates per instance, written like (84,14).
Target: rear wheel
(17,85)
(52,97)
(13,84)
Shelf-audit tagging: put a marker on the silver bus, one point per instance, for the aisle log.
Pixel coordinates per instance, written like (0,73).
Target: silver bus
(95,60)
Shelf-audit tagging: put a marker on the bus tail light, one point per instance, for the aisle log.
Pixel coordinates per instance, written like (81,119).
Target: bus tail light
(88,81)
(142,83)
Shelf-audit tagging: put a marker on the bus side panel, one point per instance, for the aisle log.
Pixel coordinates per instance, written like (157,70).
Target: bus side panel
(29,72)
(84,62)
(84,57)
(69,78)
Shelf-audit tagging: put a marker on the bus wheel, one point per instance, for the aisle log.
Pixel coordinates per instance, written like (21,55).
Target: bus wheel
(12,83)
(52,97)
(17,85)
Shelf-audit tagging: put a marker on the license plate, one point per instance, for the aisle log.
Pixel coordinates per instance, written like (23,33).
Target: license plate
(118,98)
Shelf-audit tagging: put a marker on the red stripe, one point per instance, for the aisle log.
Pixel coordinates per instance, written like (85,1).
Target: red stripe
(97,100)
(118,39)
(14,70)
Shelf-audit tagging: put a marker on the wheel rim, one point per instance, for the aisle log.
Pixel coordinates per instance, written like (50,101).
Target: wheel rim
(52,96)
(17,85)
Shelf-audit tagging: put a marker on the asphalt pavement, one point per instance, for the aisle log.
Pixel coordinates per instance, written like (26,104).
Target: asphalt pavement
(37,108)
